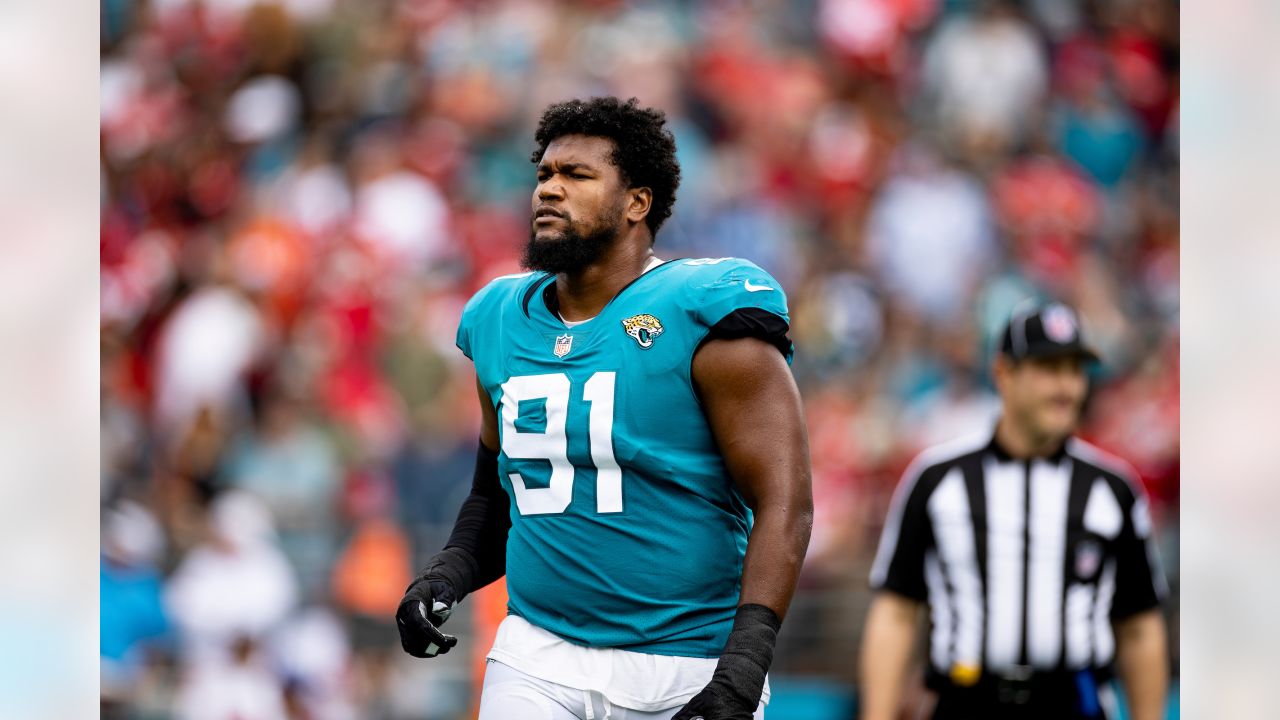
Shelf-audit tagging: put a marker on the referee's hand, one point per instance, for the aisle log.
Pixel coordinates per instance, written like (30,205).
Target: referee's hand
(426,605)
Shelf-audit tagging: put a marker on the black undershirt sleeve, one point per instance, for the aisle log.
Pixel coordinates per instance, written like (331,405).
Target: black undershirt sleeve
(476,553)
(753,322)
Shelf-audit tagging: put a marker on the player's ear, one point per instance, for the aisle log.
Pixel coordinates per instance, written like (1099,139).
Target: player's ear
(639,200)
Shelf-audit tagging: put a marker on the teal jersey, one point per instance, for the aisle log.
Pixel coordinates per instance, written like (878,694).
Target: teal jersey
(626,529)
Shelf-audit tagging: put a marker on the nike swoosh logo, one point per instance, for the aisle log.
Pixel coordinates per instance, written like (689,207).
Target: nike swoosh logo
(746,284)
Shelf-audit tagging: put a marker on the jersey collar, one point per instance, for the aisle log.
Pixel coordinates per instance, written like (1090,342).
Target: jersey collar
(551,300)
(995,448)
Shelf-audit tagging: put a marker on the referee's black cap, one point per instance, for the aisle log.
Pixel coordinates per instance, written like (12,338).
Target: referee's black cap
(1046,331)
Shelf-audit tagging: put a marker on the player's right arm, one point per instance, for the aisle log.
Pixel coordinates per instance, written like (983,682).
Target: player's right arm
(474,556)
(488,420)
(887,639)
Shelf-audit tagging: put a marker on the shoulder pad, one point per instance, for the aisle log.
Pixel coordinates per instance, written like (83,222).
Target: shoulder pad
(501,291)
(723,285)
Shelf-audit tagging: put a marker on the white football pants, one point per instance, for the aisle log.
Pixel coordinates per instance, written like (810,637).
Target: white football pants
(512,695)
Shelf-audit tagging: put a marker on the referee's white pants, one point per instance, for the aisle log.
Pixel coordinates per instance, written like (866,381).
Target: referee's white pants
(512,695)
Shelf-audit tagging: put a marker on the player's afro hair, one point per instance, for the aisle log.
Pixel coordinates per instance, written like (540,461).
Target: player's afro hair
(644,150)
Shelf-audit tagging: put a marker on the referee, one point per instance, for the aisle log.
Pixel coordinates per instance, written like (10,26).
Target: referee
(1031,550)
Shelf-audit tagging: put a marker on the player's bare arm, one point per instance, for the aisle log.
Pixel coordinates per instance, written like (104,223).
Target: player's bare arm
(754,411)
(488,420)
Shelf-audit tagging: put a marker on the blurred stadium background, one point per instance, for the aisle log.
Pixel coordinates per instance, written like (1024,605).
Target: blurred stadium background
(298,196)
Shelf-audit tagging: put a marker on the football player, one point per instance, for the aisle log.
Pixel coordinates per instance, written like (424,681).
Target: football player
(642,478)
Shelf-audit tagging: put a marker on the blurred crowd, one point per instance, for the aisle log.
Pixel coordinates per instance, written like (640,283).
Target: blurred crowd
(298,197)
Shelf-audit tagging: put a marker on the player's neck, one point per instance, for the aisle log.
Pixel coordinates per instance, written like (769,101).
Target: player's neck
(581,296)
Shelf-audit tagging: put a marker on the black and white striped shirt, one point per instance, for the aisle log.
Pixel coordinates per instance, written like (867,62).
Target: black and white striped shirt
(1023,563)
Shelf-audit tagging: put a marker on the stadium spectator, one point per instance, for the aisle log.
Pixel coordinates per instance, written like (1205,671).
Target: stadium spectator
(133,617)
(233,589)
(984,77)
(930,236)
(288,463)
(240,686)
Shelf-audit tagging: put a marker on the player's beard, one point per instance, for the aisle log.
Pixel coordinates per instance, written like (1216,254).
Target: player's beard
(571,252)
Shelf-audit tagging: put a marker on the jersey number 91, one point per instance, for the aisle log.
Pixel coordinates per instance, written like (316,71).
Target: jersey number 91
(552,444)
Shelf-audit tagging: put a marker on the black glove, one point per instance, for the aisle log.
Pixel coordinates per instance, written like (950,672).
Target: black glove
(426,605)
(429,601)
(735,687)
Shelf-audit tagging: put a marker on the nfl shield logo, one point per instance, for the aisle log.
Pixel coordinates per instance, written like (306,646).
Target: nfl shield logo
(564,343)
(1059,324)
(1088,558)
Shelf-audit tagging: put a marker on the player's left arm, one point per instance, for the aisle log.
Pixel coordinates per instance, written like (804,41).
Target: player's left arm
(754,410)
(753,407)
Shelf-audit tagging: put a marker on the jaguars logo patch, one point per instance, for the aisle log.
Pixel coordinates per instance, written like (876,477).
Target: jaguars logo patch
(644,328)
